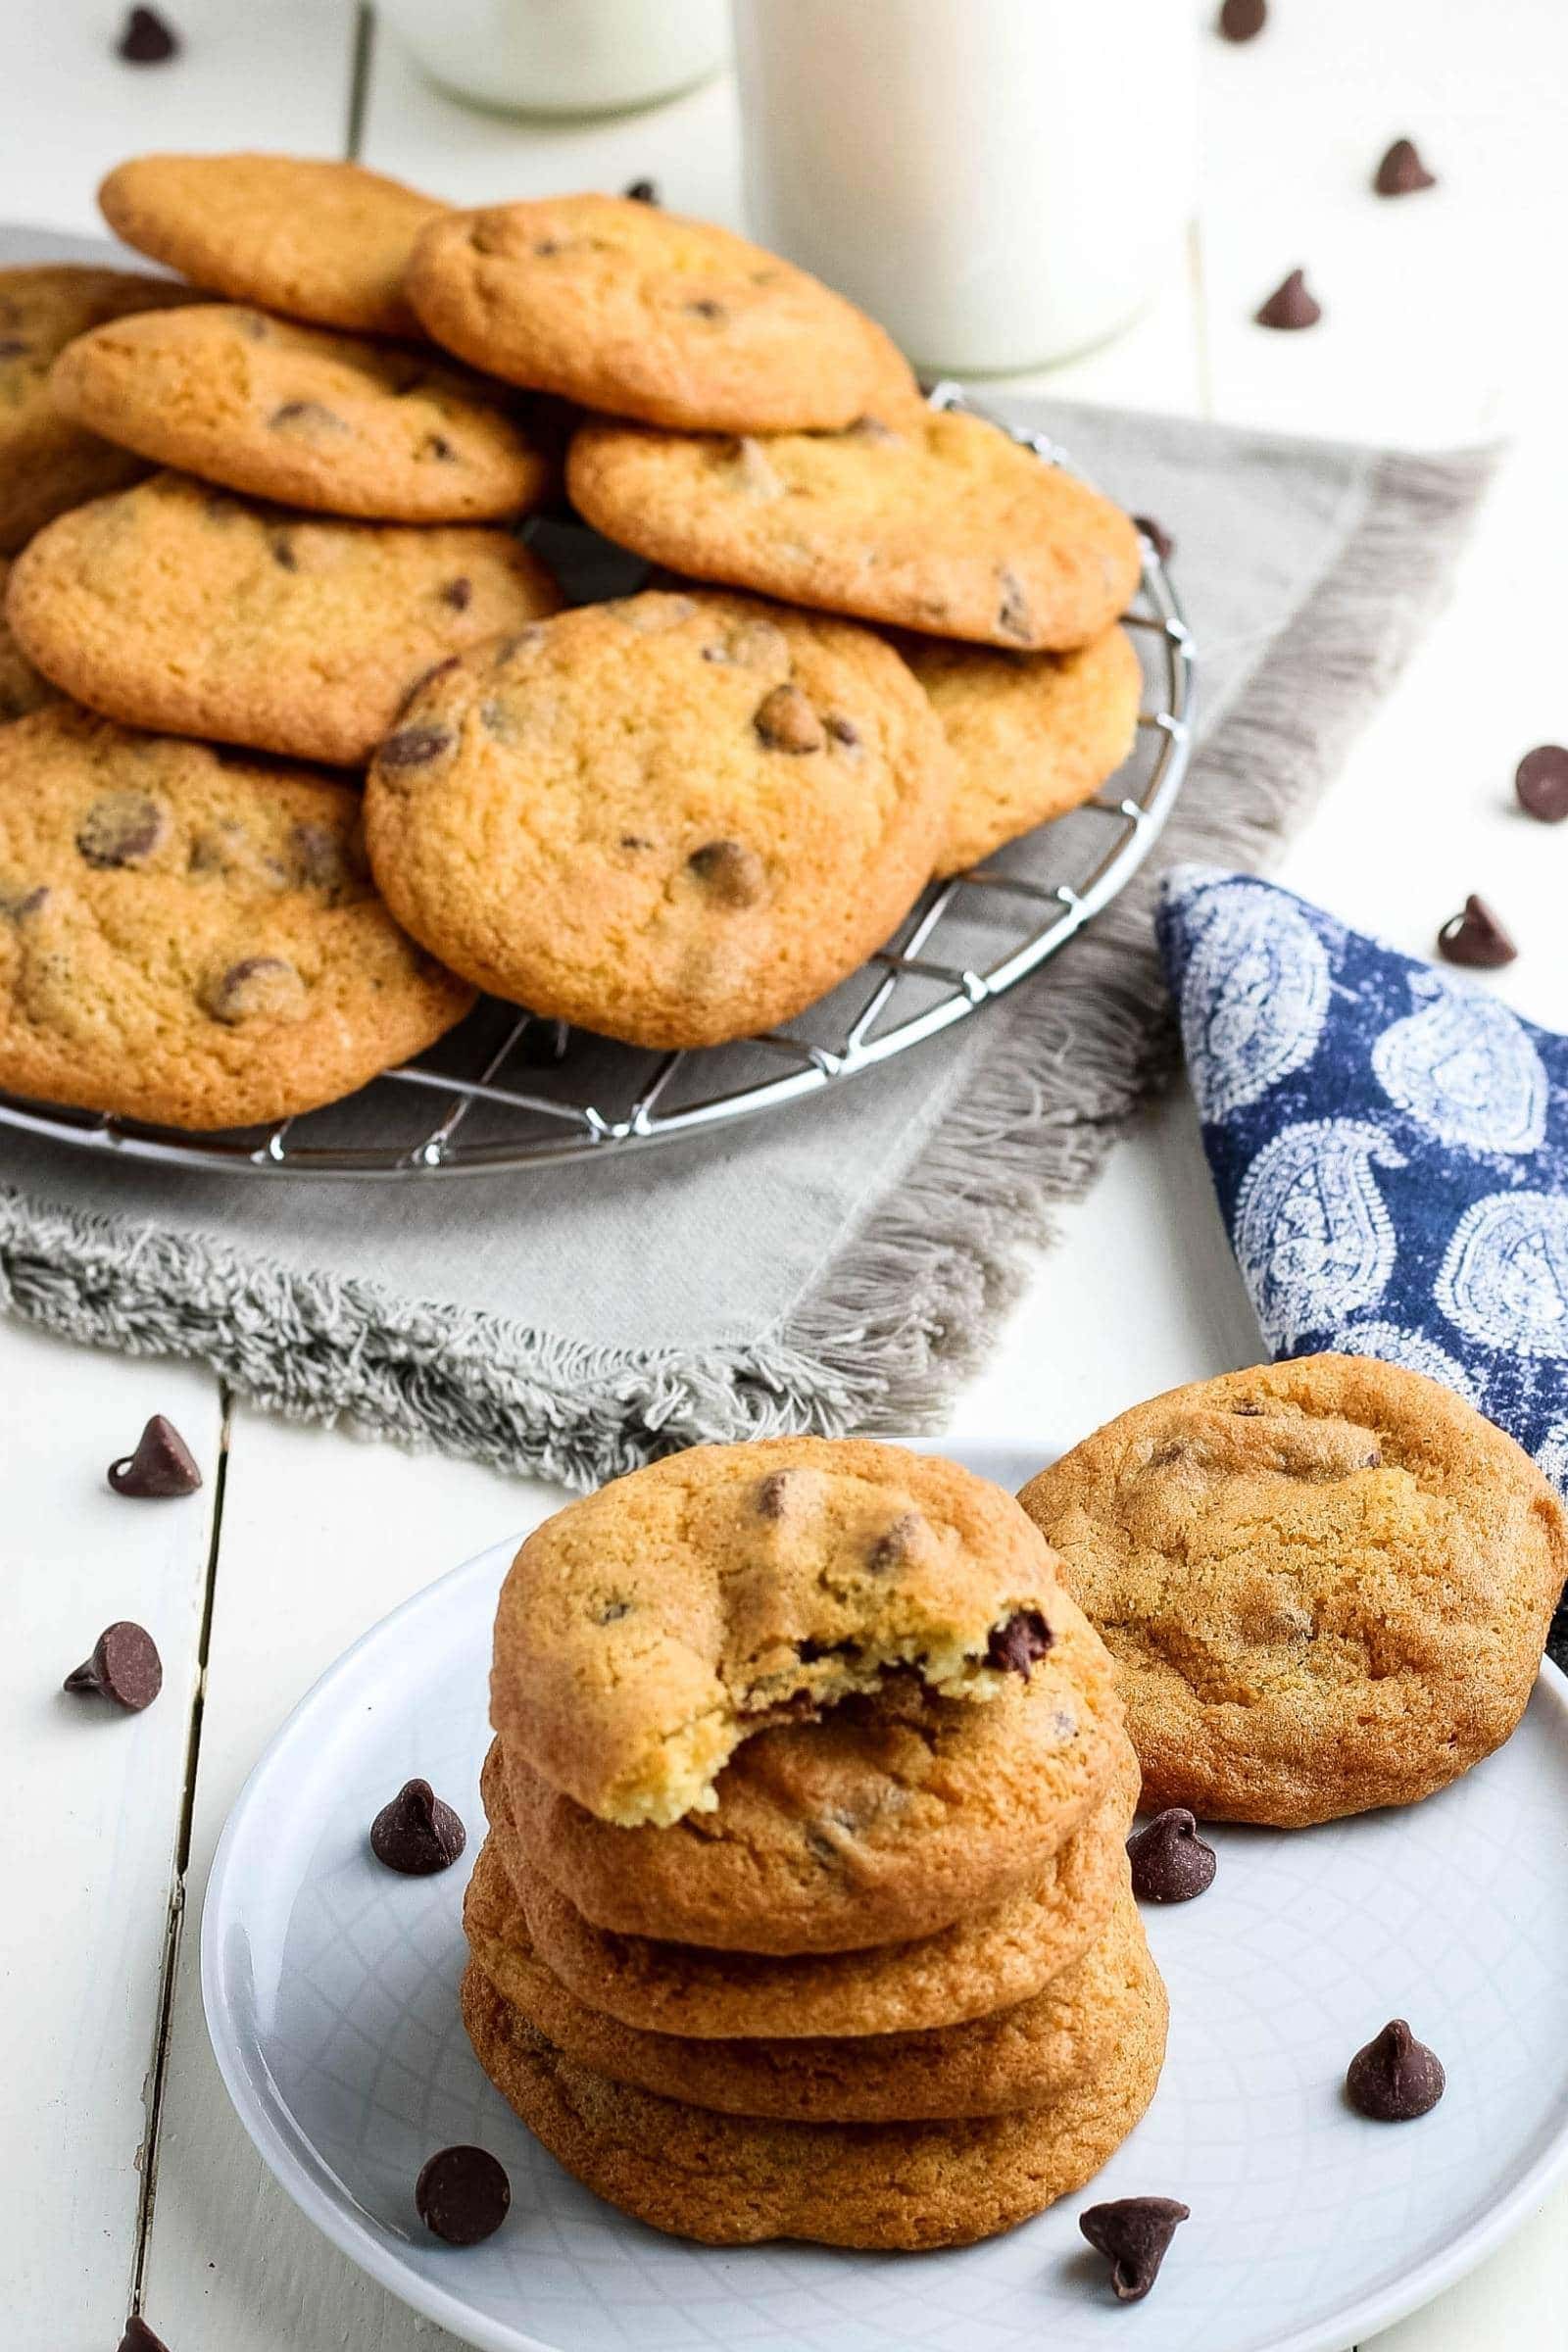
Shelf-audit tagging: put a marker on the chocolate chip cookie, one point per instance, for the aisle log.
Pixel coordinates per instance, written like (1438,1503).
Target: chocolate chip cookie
(730,2179)
(48,463)
(338,423)
(192,938)
(673,820)
(176,607)
(648,1630)
(1326,1583)
(935,522)
(321,241)
(633,310)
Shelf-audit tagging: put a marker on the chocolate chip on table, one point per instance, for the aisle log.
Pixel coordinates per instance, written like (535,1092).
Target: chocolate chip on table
(1290,307)
(1159,539)
(1540,781)
(415,747)
(734,874)
(786,721)
(161,1465)
(1170,1862)
(1395,2078)
(121,828)
(1134,2235)
(417,1833)
(1401,172)
(1242,20)
(145,40)
(258,988)
(124,1666)
(1476,938)
(643,191)
(1014,1646)
(462,2195)
(139,2337)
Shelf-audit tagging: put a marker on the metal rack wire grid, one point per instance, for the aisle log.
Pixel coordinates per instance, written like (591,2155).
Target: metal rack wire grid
(510,1090)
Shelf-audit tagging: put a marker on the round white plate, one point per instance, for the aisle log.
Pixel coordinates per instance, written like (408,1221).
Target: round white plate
(332,1984)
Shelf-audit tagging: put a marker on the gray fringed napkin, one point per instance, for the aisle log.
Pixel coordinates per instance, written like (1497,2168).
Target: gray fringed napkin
(836,1264)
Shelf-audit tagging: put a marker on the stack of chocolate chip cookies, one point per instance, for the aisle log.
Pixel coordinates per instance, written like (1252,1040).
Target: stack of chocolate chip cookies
(280,505)
(805,1910)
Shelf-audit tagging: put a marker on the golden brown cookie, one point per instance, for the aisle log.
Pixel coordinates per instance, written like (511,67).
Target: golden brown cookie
(633,310)
(1032,735)
(22,688)
(1021,2056)
(891,1817)
(945,525)
(47,463)
(648,1629)
(333,423)
(1326,1583)
(730,2180)
(673,820)
(322,241)
(192,938)
(176,607)
(984,1961)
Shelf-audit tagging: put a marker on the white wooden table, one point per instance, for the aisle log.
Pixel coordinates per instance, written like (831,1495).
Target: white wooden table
(122,2167)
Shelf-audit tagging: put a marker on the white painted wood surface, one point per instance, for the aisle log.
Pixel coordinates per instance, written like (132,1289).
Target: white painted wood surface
(1437,328)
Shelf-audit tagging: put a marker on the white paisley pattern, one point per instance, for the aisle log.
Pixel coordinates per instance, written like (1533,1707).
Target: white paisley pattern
(1313,1236)
(1465,1068)
(1504,1280)
(1253,997)
(1552,1454)
(1417,1353)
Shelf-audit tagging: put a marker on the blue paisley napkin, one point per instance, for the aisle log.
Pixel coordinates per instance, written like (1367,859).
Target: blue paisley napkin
(1390,1147)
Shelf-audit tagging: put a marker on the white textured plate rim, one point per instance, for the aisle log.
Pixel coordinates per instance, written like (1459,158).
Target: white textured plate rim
(333,2211)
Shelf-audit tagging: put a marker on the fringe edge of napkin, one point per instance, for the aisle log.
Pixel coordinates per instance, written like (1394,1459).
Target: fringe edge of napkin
(908,1306)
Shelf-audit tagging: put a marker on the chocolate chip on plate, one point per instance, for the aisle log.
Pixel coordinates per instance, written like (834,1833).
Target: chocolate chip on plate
(1170,1862)
(1395,2078)
(1289,306)
(145,40)
(462,2195)
(1159,539)
(643,191)
(417,1833)
(1476,938)
(1014,1646)
(162,1464)
(139,2337)
(1401,172)
(1540,781)
(1134,2235)
(1242,20)
(124,1666)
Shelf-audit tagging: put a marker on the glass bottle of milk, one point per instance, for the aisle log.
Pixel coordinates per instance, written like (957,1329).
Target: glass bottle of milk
(1002,182)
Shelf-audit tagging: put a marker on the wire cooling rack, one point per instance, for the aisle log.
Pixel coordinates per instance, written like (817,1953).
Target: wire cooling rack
(506,1090)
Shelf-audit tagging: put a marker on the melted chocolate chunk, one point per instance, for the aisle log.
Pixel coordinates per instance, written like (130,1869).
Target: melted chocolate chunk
(258,988)
(1170,1862)
(462,2196)
(161,1465)
(1014,1646)
(1134,2235)
(1395,2078)
(124,1666)
(416,1833)
(121,828)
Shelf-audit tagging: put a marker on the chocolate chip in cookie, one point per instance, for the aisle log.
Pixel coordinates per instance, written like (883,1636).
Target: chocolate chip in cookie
(733,874)
(121,828)
(786,722)
(257,988)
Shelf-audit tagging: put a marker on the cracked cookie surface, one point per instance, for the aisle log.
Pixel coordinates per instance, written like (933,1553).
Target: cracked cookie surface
(637,310)
(648,1630)
(940,523)
(673,820)
(338,423)
(1327,1584)
(189,938)
(175,606)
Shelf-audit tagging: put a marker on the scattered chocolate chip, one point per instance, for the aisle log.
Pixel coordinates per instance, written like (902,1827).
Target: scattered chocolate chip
(734,873)
(1170,1862)
(705,307)
(1159,539)
(17,903)
(1014,1646)
(1012,612)
(417,1833)
(314,414)
(1134,2235)
(146,40)
(772,1495)
(258,988)
(786,721)
(1395,2078)
(895,1544)
(121,828)
(643,191)
(843,730)
(1401,172)
(282,549)
(459,594)
(415,747)
(1242,20)
(1476,938)
(462,2195)
(139,2337)
(1289,306)
(1540,781)
(161,1465)
(124,1666)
